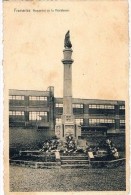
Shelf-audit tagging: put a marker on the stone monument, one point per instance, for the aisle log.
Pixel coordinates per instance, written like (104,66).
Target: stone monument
(68,127)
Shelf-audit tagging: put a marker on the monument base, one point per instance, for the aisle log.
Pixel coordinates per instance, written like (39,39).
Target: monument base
(62,131)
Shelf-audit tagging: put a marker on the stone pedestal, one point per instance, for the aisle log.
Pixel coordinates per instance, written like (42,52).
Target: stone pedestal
(64,130)
(68,125)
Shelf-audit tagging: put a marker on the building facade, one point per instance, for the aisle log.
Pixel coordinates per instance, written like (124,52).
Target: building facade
(41,110)
(29,108)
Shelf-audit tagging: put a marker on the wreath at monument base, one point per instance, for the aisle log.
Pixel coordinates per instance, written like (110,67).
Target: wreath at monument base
(70,145)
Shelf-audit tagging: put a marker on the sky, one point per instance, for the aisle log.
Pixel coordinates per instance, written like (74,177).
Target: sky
(34,43)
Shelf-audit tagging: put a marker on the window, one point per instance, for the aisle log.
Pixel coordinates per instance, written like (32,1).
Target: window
(94,106)
(122,121)
(77,105)
(92,121)
(36,115)
(16,113)
(59,105)
(101,106)
(37,98)
(122,107)
(79,120)
(109,107)
(102,121)
(10,112)
(43,98)
(16,97)
(19,113)
(109,121)
(58,120)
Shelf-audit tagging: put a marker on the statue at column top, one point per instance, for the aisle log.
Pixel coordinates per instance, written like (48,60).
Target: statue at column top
(67,42)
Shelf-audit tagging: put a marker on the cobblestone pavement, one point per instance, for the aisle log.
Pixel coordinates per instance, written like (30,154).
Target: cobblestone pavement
(28,180)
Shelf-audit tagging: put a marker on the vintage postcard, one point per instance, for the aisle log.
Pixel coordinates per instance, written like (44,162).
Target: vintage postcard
(66,97)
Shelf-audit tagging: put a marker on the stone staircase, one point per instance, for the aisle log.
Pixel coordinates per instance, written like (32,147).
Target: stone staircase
(37,159)
(75,161)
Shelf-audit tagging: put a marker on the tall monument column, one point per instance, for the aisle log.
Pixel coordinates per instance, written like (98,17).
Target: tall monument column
(67,83)
(68,125)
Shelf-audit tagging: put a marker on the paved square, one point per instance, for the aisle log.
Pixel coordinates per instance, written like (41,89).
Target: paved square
(35,180)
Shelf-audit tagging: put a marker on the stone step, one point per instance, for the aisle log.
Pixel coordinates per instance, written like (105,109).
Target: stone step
(29,152)
(74,162)
(74,157)
(72,166)
(35,165)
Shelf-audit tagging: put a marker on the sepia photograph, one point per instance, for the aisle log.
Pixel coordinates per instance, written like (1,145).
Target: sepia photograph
(66,97)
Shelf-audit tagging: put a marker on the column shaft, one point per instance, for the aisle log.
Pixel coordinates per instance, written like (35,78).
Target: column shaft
(67,90)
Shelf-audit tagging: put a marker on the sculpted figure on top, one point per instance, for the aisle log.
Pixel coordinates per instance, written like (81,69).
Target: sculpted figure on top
(67,42)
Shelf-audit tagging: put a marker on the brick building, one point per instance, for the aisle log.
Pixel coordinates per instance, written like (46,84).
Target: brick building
(40,109)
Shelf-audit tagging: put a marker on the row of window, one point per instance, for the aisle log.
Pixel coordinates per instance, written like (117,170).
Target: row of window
(32,115)
(18,97)
(94,106)
(78,120)
(98,121)
(44,98)
(36,115)
(16,113)
(38,98)
(39,115)
(93,121)
(59,105)
(101,106)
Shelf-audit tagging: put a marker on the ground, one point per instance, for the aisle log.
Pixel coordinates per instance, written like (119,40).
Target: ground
(28,179)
